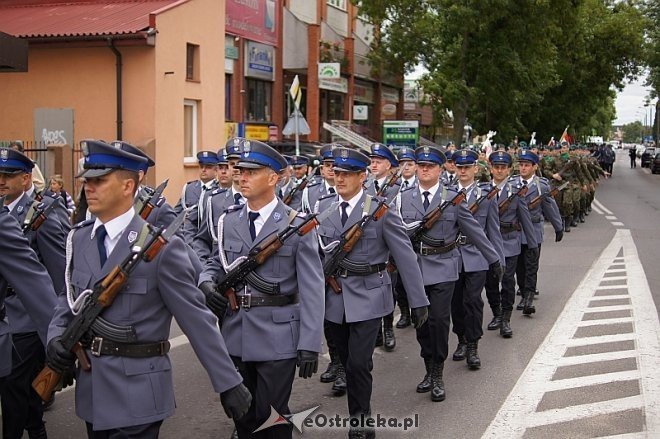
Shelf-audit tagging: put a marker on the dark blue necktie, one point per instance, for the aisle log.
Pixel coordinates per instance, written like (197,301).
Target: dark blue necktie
(332,190)
(101,233)
(426,199)
(344,212)
(237,199)
(253,216)
(377,186)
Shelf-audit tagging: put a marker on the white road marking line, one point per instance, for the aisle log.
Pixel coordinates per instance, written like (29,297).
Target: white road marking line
(639,435)
(600,339)
(601,207)
(592,358)
(610,287)
(617,223)
(585,323)
(518,411)
(613,297)
(596,209)
(591,380)
(610,217)
(178,341)
(594,409)
(616,270)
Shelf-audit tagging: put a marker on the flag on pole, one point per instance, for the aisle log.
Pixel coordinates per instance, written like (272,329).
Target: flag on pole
(565,137)
(295,92)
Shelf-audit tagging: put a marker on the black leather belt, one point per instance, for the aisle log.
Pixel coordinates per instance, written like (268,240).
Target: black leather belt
(536,219)
(509,227)
(362,270)
(247,301)
(101,346)
(427,250)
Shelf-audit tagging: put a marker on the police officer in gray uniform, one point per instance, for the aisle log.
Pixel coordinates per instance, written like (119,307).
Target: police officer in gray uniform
(439,259)
(467,305)
(320,187)
(449,176)
(116,397)
(278,324)
(21,406)
(366,291)
(218,201)
(514,222)
(528,261)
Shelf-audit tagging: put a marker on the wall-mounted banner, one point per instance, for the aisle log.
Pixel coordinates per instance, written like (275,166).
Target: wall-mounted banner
(340,84)
(399,133)
(253,19)
(259,61)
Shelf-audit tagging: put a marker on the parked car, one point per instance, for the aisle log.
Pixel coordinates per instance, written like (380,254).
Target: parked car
(655,165)
(647,156)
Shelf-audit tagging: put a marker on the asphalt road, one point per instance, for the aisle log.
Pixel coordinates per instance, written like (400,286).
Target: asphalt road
(578,378)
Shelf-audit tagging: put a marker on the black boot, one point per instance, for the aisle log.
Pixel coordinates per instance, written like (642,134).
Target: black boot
(528,303)
(404,321)
(574,221)
(388,333)
(38,433)
(379,337)
(581,217)
(521,304)
(339,387)
(425,385)
(567,224)
(505,329)
(461,349)
(438,390)
(497,319)
(330,374)
(472,357)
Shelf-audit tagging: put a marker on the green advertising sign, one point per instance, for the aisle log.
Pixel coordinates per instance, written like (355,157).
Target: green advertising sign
(400,133)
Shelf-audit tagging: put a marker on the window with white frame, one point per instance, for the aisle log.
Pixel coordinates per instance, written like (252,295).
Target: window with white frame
(190,130)
(339,4)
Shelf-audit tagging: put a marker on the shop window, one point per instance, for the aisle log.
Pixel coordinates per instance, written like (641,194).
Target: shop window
(192,62)
(259,95)
(190,130)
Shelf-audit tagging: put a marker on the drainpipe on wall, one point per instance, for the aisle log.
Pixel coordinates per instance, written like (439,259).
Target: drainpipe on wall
(118,75)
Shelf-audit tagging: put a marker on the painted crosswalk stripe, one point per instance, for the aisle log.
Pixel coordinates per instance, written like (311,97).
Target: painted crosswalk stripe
(571,358)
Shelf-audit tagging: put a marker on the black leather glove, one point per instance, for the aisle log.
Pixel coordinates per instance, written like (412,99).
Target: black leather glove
(58,357)
(214,300)
(419,316)
(236,401)
(495,270)
(308,363)
(559,235)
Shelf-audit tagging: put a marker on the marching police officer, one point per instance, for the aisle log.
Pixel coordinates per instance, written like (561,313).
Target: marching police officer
(365,294)
(514,221)
(194,190)
(21,406)
(218,201)
(528,261)
(116,397)
(438,258)
(467,304)
(278,324)
(449,176)
(325,185)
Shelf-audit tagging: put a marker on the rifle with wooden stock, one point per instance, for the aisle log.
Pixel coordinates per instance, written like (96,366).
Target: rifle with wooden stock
(346,244)
(551,193)
(504,205)
(102,297)
(474,207)
(431,217)
(38,217)
(299,187)
(260,254)
(147,204)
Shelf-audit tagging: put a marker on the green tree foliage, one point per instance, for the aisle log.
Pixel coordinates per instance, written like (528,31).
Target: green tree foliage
(515,66)
(632,132)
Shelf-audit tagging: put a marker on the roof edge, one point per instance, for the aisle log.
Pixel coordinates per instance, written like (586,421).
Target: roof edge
(152,15)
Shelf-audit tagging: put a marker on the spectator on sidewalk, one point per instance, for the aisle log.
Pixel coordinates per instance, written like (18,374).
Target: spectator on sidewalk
(56,186)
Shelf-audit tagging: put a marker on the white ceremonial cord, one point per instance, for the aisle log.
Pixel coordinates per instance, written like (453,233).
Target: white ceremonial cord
(74,304)
(223,258)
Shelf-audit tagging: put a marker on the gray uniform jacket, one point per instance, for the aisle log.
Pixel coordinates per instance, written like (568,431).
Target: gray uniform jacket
(49,243)
(390,193)
(546,209)
(21,269)
(446,266)
(268,333)
(489,220)
(312,193)
(121,391)
(517,213)
(60,210)
(218,201)
(296,200)
(369,297)
(445,178)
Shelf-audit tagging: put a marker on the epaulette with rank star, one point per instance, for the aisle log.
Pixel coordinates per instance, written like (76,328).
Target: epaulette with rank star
(191,182)
(233,208)
(220,190)
(314,183)
(543,179)
(82,224)
(485,185)
(406,189)
(326,196)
